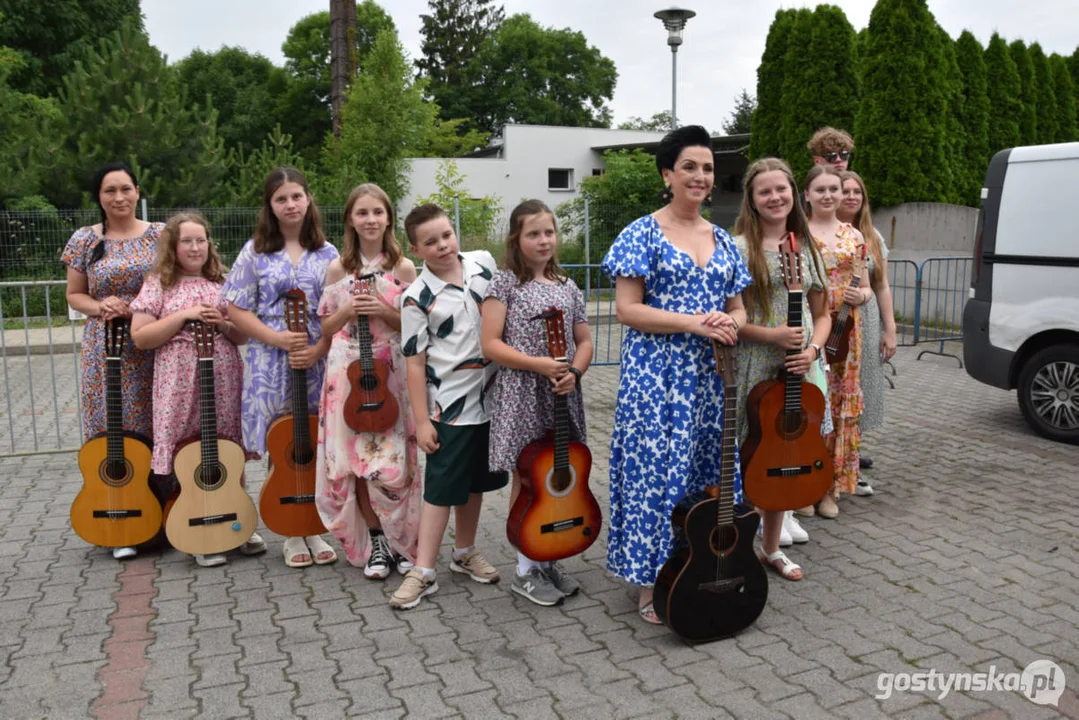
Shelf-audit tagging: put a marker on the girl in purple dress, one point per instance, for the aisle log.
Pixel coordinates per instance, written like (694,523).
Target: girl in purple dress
(522,397)
(289,250)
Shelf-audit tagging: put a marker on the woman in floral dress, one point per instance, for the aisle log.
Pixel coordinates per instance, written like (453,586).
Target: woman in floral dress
(841,247)
(367,485)
(289,250)
(105,267)
(678,284)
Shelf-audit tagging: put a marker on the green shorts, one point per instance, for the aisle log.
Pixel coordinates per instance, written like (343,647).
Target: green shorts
(459,467)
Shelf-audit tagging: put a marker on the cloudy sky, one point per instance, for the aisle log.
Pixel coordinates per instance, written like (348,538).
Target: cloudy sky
(722,49)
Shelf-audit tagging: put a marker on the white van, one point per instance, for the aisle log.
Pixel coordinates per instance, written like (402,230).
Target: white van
(1021,323)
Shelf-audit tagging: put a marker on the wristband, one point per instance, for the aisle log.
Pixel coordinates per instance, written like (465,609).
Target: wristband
(820,352)
(577,374)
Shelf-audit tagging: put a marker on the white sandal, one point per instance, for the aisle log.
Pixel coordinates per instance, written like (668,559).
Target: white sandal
(786,567)
(296,548)
(321,552)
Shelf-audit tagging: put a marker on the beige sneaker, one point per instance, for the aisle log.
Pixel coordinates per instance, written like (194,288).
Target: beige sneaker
(475,566)
(412,590)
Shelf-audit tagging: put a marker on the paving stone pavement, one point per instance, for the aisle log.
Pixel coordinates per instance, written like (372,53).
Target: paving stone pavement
(964,560)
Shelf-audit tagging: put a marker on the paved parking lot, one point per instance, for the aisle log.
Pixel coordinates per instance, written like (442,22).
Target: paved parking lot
(965,560)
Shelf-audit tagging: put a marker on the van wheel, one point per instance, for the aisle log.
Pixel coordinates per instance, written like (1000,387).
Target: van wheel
(1049,393)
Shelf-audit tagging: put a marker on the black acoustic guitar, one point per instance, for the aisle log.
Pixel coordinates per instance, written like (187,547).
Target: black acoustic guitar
(713,585)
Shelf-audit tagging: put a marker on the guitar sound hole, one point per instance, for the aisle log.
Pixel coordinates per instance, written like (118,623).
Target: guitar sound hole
(210,477)
(560,480)
(723,540)
(116,472)
(302,455)
(369,382)
(791,425)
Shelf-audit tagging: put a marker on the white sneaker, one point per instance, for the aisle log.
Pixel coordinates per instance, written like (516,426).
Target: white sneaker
(785,539)
(793,528)
(123,553)
(210,560)
(863,489)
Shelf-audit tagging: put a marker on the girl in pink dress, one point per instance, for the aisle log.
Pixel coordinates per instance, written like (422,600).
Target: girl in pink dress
(185,285)
(367,485)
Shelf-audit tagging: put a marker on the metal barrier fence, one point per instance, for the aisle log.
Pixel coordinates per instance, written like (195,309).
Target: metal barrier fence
(39,345)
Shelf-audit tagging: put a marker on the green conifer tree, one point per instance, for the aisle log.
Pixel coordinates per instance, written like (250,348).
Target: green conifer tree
(973,118)
(1028,114)
(1064,88)
(769,112)
(1045,96)
(901,139)
(955,140)
(1003,89)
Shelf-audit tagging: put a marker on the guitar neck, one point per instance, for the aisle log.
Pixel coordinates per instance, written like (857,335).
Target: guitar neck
(364,338)
(208,412)
(844,311)
(725,510)
(301,437)
(561,432)
(114,411)
(793,383)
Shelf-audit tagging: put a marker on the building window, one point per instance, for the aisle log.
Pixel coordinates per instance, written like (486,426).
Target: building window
(596,172)
(559,179)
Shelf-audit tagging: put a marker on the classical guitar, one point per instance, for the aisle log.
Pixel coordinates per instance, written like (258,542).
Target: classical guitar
(838,345)
(115,507)
(370,406)
(555,516)
(785,464)
(213,512)
(287,498)
(713,585)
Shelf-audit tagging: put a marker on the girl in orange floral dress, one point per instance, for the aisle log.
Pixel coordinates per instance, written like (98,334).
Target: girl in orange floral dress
(841,247)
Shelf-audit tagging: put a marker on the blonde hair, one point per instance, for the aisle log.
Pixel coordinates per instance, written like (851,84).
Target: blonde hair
(350,246)
(165,267)
(748,225)
(514,260)
(863,222)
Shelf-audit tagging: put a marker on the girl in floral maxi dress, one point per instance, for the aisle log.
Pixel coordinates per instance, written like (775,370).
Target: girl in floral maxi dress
(840,246)
(368,488)
(185,285)
(678,286)
(522,396)
(289,250)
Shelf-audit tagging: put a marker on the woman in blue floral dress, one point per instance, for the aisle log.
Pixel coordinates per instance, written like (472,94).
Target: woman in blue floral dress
(289,250)
(678,283)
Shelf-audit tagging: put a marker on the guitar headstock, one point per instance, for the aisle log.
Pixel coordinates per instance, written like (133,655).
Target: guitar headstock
(296,310)
(860,261)
(204,339)
(363,284)
(555,324)
(790,263)
(726,363)
(115,336)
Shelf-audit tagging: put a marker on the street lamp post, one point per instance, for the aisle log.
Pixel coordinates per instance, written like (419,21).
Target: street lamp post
(674,19)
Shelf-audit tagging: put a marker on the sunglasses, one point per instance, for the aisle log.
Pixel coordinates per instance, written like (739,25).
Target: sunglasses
(833,156)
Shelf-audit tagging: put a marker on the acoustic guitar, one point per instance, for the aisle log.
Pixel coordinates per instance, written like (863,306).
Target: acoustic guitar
(287,498)
(370,406)
(785,464)
(213,513)
(555,516)
(713,585)
(838,345)
(115,507)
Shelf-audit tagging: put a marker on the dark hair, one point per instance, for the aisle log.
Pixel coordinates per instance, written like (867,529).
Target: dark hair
(674,142)
(268,237)
(420,215)
(98,180)
(513,260)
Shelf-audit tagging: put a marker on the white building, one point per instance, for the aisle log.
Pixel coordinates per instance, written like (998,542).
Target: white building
(529,161)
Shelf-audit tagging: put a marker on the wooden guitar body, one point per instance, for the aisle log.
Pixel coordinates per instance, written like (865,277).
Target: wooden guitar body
(116,512)
(213,513)
(785,463)
(555,516)
(370,406)
(838,346)
(713,585)
(287,498)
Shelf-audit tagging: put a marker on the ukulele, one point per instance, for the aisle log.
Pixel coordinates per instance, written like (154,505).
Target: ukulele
(713,585)
(785,464)
(838,345)
(370,406)
(555,515)
(287,498)
(115,507)
(213,513)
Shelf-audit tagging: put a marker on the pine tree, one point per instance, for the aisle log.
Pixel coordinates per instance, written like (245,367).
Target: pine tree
(741,119)
(769,112)
(973,118)
(1028,114)
(901,143)
(124,103)
(1065,94)
(819,90)
(1044,95)
(955,138)
(1004,90)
